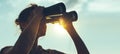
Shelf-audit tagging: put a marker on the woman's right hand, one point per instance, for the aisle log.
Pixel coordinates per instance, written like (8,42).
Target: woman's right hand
(42,26)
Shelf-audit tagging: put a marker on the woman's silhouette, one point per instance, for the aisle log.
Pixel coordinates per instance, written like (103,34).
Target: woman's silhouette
(33,25)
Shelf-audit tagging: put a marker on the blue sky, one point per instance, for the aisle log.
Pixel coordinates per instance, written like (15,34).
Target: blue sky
(98,25)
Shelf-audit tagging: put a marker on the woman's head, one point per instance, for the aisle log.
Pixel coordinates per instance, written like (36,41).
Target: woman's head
(24,16)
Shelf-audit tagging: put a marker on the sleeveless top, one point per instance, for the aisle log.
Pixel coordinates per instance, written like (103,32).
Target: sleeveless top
(38,50)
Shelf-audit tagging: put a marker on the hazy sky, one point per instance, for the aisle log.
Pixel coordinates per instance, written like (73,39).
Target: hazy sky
(98,25)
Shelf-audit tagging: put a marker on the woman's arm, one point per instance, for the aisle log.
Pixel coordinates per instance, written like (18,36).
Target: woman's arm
(29,34)
(80,46)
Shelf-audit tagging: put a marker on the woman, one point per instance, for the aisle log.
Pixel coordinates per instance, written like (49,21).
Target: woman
(33,25)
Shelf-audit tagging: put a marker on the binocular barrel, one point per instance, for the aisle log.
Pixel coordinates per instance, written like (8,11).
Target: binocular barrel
(70,16)
(57,11)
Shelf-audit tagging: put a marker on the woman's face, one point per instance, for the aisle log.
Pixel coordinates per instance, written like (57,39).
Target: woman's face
(27,14)
(42,26)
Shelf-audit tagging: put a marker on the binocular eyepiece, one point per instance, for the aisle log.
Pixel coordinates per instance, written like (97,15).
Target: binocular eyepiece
(56,11)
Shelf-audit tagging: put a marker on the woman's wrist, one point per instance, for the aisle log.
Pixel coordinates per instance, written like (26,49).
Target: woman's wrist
(80,46)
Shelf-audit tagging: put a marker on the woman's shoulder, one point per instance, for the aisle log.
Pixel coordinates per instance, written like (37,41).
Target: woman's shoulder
(48,51)
(51,51)
(5,49)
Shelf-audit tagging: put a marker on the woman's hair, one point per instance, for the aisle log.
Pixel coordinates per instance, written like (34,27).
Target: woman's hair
(25,13)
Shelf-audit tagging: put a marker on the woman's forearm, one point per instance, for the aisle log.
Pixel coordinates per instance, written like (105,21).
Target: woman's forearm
(28,36)
(80,46)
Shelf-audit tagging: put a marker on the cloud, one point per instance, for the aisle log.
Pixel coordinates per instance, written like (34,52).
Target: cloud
(71,3)
(0,5)
(104,7)
(106,0)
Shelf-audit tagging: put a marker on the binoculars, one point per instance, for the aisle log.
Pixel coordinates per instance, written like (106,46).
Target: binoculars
(56,11)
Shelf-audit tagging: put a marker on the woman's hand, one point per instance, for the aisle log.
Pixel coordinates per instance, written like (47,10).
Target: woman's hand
(42,26)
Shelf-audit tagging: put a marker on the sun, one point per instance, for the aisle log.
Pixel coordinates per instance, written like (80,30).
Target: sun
(59,28)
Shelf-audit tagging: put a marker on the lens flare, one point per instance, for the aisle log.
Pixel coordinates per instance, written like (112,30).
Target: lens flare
(59,28)
(62,22)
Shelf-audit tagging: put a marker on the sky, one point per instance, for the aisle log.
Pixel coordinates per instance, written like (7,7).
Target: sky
(98,25)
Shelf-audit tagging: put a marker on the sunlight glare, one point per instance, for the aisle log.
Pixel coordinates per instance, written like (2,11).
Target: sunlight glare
(59,28)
